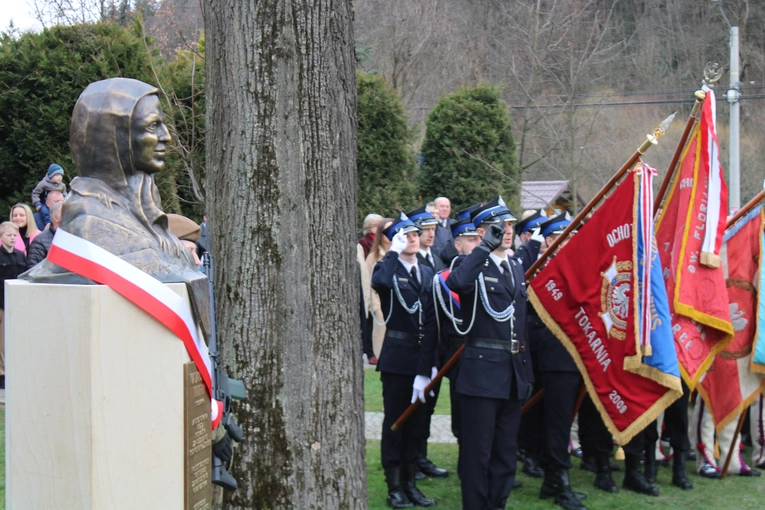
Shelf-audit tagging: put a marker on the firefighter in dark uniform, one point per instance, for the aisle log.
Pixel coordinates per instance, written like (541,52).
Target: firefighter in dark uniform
(531,239)
(449,312)
(407,359)
(530,440)
(561,381)
(449,252)
(426,223)
(495,370)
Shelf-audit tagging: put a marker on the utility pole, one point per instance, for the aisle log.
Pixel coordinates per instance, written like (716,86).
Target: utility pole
(733,96)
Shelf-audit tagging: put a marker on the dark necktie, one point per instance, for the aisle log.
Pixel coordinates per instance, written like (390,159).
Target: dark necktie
(413,272)
(508,277)
(431,261)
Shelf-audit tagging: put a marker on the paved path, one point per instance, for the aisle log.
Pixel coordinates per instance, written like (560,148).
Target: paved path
(440,425)
(440,428)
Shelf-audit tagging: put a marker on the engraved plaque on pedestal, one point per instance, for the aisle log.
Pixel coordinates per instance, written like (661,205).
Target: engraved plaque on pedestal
(197,441)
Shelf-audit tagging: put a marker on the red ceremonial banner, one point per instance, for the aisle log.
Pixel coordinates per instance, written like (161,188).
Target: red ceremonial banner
(697,293)
(729,386)
(592,308)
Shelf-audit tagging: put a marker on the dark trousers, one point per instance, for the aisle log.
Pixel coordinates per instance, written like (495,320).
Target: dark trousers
(532,423)
(561,391)
(675,425)
(595,438)
(454,399)
(430,406)
(366,330)
(488,450)
(400,447)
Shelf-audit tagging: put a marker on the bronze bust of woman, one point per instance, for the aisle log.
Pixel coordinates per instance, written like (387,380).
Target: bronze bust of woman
(118,141)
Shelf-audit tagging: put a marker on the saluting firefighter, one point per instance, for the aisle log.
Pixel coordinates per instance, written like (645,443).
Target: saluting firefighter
(449,312)
(426,223)
(408,357)
(561,381)
(495,371)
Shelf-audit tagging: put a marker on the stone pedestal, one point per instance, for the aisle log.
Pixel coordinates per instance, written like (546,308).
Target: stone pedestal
(94,401)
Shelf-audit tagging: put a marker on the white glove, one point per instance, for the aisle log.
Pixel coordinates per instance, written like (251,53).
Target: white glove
(399,242)
(433,372)
(536,235)
(418,388)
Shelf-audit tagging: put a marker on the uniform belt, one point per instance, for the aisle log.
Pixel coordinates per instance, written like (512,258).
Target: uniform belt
(411,337)
(513,346)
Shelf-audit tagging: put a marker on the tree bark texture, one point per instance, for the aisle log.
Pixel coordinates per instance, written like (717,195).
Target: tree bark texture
(281,178)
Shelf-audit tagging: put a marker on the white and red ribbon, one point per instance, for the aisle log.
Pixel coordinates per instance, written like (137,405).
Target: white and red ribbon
(84,258)
(717,193)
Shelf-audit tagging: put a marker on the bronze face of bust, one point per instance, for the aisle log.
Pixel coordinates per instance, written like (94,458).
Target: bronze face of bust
(118,141)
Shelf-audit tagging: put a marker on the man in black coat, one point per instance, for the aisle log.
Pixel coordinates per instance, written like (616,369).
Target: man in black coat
(561,380)
(450,314)
(443,234)
(426,223)
(408,357)
(495,371)
(38,248)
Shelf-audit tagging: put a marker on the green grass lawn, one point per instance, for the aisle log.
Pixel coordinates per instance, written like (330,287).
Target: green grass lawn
(732,493)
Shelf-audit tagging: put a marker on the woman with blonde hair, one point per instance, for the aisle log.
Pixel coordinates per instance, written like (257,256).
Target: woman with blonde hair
(376,252)
(23,217)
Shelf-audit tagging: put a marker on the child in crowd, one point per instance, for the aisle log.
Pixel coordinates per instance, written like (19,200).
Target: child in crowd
(12,264)
(53,181)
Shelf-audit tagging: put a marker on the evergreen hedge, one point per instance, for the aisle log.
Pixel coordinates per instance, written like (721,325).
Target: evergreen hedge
(468,154)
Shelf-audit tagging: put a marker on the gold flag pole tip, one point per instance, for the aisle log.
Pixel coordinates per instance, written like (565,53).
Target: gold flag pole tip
(653,138)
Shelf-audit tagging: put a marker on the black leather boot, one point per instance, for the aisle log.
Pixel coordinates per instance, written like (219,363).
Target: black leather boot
(427,468)
(649,469)
(566,497)
(396,497)
(633,478)
(532,468)
(411,490)
(551,485)
(603,480)
(679,476)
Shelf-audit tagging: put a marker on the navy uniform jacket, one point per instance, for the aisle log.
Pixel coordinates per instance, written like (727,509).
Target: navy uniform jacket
(528,253)
(487,372)
(423,261)
(450,340)
(416,353)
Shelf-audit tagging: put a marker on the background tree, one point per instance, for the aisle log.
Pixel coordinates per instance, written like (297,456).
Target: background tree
(281,201)
(385,159)
(41,76)
(468,154)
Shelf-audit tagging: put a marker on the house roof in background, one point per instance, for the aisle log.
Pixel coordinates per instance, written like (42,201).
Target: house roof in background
(538,194)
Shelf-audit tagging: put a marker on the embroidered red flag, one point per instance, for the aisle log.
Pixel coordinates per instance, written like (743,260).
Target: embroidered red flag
(688,233)
(595,308)
(729,386)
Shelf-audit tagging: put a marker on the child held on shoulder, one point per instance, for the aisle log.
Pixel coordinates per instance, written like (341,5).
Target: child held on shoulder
(53,181)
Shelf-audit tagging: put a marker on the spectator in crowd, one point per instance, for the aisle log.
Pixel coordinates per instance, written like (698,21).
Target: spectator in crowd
(432,208)
(38,250)
(12,264)
(187,232)
(53,181)
(370,230)
(23,217)
(376,253)
(203,244)
(54,197)
(443,228)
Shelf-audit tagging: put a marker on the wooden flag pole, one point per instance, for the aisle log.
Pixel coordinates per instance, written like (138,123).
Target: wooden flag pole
(739,425)
(748,207)
(650,140)
(672,168)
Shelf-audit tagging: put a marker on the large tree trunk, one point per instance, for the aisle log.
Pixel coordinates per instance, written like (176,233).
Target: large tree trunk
(281,178)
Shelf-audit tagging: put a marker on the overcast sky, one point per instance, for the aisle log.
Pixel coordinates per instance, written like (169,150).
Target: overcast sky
(21,13)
